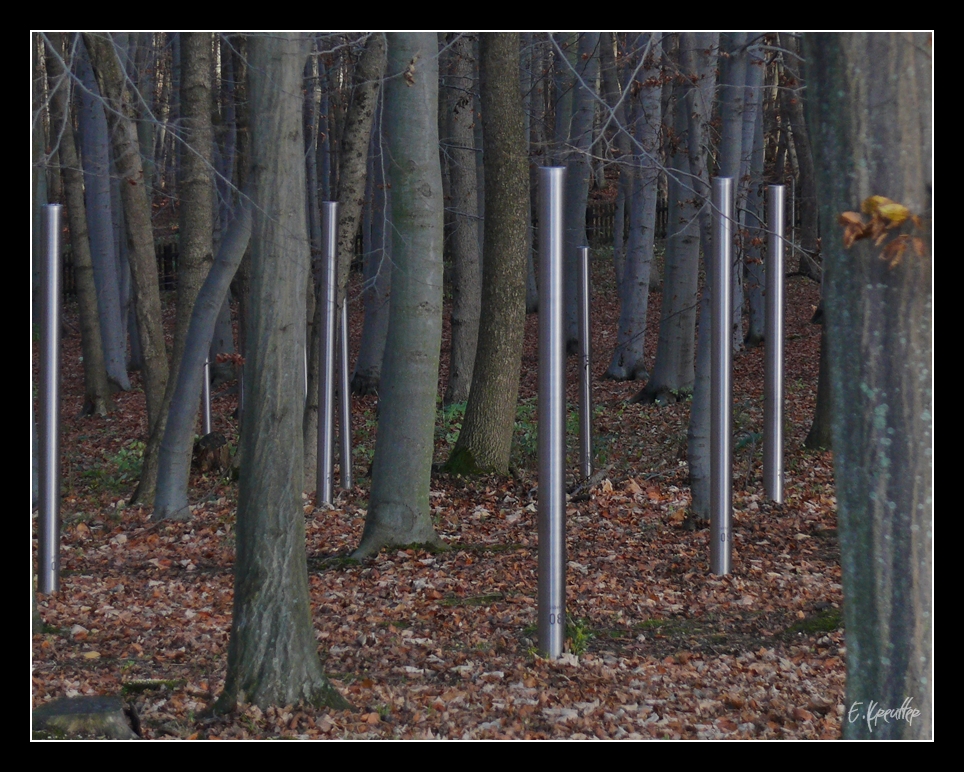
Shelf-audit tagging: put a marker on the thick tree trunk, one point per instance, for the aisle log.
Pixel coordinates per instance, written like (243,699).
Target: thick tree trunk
(97,399)
(401,473)
(485,440)
(137,215)
(273,655)
(871,112)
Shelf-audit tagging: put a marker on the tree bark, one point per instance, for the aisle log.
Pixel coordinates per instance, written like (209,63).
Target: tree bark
(485,439)
(195,227)
(95,156)
(137,215)
(272,656)
(466,266)
(698,55)
(871,113)
(401,472)
(97,399)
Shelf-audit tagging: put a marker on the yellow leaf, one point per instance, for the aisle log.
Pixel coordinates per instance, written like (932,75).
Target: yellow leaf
(896,213)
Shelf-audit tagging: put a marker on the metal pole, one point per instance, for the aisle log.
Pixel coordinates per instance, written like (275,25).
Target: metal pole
(721,387)
(585,368)
(48,558)
(552,416)
(773,391)
(344,400)
(206,397)
(326,375)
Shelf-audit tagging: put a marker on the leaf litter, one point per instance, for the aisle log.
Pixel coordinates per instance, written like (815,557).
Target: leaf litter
(443,645)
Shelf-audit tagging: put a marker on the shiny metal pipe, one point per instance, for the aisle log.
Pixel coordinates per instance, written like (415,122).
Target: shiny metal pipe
(552,416)
(721,385)
(206,398)
(344,398)
(326,360)
(48,557)
(773,384)
(585,367)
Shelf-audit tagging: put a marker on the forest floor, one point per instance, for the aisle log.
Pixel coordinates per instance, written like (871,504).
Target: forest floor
(443,645)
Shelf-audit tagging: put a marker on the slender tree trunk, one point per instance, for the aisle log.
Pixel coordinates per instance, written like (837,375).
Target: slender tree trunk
(466,266)
(273,654)
(485,440)
(174,453)
(399,509)
(378,276)
(97,399)
(579,172)
(95,153)
(137,214)
(196,225)
(628,362)
(673,371)
(697,53)
(793,104)
(871,105)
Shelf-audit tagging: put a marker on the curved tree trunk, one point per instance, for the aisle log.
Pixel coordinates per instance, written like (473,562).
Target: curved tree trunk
(196,225)
(273,654)
(401,472)
(485,440)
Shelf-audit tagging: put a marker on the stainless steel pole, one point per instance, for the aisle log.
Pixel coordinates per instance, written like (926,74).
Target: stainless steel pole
(585,368)
(206,397)
(773,391)
(48,558)
(344,400)
(721,404)
(326,375)
(552,416)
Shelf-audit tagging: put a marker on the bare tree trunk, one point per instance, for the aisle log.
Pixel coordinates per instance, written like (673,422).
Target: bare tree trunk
(378,276)
(196,224)
(273,655)
(698,54)
(137,215)
(485,440)
(871,105)
(95,155)
(399,509)
(97,399)
(466,266)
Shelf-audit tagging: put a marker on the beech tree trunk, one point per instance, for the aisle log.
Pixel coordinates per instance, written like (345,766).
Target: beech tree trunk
(485,440)
(399,509)
(137,216)
(698,55)
(378,273)
(870,105)
(273,654)
(97,399)
(95,156)
(195,228)
(466,266)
